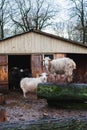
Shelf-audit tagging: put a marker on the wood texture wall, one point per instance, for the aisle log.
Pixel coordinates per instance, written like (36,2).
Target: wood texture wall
(36,43)
(80,74)
(3,73)
(36,65)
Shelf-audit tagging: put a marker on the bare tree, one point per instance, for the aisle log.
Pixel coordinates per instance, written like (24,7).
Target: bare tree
(59,29)
(4,17)
(36,14)
(44,12)
(78,12)
(20,15)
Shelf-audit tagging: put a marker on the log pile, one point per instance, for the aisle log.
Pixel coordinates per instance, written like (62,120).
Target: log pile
(2,99)
(55,93)
(71,123)
(2,114)
(2,110)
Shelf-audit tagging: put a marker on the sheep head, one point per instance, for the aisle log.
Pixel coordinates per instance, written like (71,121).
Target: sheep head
(47,63)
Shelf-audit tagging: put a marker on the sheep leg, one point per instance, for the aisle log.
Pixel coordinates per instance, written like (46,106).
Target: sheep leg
(69,79)
(55,77)
(24,94)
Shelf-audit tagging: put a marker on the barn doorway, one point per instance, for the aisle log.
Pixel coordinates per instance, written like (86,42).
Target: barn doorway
(80,74)
(16,64)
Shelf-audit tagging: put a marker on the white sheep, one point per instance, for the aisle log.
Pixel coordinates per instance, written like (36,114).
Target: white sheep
(60,66)
(30,84)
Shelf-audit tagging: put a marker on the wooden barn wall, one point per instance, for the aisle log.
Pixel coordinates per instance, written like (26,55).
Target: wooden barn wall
(36,65)
(30,43)
(45,44)
(59,55)
(3,73)
(80,74)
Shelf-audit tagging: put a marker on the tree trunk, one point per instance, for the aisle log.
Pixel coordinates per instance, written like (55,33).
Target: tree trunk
(63,92)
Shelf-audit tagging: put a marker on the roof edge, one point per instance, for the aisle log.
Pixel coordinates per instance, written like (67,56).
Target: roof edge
(47,34)
(58,37)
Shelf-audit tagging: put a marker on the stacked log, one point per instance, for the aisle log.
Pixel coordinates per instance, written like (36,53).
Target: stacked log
(2,110)
(68,93)
(2,99)
(2,114)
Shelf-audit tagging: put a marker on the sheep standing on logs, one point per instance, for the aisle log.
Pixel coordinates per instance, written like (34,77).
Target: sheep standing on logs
(30,84)
(60,66)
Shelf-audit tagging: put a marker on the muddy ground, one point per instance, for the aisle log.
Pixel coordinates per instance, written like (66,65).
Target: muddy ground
(20,109)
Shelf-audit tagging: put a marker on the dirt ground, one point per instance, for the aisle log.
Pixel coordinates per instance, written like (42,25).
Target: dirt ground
(20,109)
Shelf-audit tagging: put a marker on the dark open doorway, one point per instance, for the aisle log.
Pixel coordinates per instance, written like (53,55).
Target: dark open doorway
(21,61)
(80,74)
(16,64)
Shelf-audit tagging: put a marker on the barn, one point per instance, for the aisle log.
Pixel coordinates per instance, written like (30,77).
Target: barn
(27,50)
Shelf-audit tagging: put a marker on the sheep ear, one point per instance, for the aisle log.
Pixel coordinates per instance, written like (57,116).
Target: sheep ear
(40,74)
(46,58)
(50,59)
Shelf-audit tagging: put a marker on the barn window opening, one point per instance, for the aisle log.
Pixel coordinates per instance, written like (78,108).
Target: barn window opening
(48,55)
(51,56)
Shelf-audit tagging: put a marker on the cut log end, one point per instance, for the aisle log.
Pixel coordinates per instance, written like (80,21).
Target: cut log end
(3,117)
(2,99)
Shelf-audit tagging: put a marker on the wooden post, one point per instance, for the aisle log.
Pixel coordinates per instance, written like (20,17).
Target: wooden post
(2,110)
(2,99)
(36,65)
(2,114)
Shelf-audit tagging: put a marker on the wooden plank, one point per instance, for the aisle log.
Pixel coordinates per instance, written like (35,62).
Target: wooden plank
(3,117)
(36,65)
(35,43)
(3,88)
(2,99)
(59,55)
(3,73)
(3,59)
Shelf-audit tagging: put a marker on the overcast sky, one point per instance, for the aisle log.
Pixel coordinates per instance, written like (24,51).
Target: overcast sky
(62,16)
(63,11)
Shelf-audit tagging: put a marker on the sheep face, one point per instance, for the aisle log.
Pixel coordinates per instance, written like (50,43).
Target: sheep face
(43,77)
(47,62)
